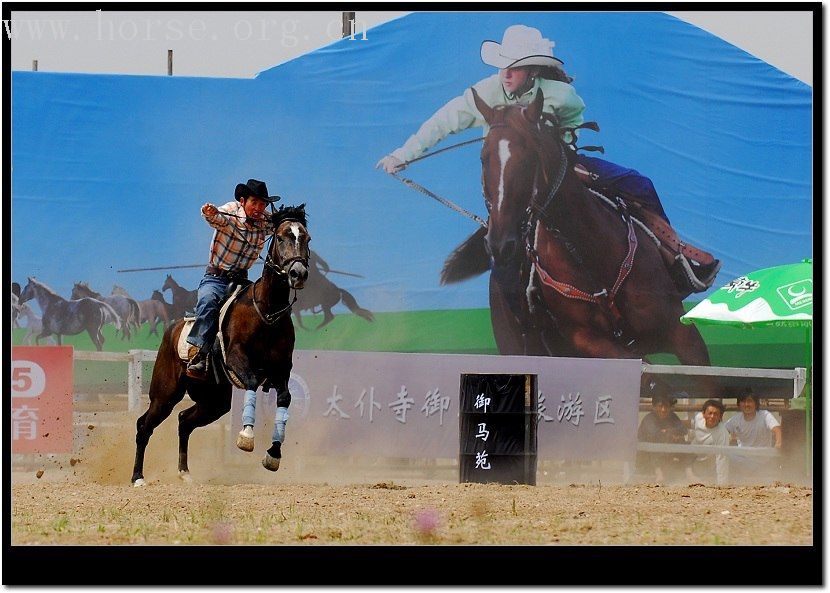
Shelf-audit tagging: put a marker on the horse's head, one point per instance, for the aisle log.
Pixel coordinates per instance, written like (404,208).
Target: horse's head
(168,283)
(157,296)
(513,165)
(28,291)
(288,254)
(80,290)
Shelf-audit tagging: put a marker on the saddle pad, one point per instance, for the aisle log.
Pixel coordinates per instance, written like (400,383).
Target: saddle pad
(182,346)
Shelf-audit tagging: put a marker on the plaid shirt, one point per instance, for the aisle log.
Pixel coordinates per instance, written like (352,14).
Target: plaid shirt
(236,242)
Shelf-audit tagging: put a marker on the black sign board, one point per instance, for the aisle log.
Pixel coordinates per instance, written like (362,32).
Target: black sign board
(498,428)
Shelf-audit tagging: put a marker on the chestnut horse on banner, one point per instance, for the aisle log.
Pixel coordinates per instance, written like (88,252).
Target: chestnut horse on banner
(575,274)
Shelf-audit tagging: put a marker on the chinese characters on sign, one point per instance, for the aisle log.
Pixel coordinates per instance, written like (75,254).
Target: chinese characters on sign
(571,409)
(435,402)
(367,403)
(41,399)
(24,423)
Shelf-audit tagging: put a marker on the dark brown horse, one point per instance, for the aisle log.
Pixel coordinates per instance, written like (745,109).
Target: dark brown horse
(184,300)
(254,348)
(569,262)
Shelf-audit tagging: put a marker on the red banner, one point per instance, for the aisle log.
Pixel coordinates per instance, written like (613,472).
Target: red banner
(41,387)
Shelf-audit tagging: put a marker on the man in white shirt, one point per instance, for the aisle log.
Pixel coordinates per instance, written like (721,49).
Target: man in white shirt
(709,430)
(753,428)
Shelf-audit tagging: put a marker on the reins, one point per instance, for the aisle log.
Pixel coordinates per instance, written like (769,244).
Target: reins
(448,203)
(268,262)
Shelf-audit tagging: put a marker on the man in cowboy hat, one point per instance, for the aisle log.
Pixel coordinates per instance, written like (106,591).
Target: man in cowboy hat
(241,229)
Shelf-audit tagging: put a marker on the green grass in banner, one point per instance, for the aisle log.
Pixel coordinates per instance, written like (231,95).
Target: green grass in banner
(465,331)
(461,331)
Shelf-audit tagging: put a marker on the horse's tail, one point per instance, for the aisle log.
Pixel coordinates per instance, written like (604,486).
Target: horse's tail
(351,303)
(136,312)
(110,316)
(467,260)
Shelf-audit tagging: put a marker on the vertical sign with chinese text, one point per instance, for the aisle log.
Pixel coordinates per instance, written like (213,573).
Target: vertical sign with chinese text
(497,428)
(41,389)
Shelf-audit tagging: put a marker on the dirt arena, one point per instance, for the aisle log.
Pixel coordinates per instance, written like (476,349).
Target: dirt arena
(86,498)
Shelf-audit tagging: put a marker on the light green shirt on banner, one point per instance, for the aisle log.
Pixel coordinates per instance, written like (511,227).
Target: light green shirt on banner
(461,113)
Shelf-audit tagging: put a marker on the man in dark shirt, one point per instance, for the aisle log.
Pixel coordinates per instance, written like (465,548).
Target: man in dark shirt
(662,425)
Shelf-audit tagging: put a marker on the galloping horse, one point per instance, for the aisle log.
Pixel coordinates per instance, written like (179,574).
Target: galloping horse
(254,348)
(322,294)
(183,300)
(587,271)
(67,318)
(150,311)
(126,308)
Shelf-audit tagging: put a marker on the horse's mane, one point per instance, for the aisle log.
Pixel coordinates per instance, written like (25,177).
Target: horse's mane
(289,213)
(44,287)
(87,288)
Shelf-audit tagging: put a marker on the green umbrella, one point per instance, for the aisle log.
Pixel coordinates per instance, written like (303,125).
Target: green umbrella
(777,296)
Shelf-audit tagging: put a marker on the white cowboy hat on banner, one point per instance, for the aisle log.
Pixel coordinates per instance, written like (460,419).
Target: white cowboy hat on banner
(520,46)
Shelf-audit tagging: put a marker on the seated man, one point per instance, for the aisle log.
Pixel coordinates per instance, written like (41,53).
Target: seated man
(662,425)
(707,429)
(240,230)
(753,427)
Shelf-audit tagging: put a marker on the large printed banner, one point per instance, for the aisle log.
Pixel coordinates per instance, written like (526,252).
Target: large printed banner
(110,173)
(407,405)
(41,402)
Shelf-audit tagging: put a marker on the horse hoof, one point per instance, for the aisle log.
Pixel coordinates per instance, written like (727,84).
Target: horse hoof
(184,476)
(245,440)
(270,463)
(139,483)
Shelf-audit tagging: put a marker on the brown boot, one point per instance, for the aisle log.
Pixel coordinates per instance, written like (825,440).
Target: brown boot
(197,366)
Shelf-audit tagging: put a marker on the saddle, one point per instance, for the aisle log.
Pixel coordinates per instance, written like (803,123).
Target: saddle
(182,346)
(692,269)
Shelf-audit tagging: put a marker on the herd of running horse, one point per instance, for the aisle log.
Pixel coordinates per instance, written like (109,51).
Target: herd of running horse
(88,310)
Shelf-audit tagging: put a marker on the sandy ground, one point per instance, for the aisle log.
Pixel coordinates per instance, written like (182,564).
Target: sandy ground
(86,498)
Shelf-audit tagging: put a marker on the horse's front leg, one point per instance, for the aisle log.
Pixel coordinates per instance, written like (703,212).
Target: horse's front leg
(245,439)
(271,461)
(591,343)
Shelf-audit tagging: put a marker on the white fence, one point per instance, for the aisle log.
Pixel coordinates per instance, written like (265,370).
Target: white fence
(134,360)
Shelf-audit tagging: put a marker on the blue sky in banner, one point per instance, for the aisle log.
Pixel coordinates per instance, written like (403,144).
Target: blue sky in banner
(109,171)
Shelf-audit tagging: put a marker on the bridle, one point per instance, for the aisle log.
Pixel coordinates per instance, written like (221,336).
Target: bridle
(282,269)
(536,213)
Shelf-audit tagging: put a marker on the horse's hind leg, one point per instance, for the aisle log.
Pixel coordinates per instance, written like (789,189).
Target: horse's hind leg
(195,416)
(328,316)
(162,403)
(96,338)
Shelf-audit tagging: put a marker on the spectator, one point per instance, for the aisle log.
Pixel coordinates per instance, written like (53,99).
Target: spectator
(662,425)
(708,429)
(753,427)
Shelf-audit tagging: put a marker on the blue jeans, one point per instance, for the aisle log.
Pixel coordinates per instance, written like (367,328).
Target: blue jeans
(626,182)
(210,293)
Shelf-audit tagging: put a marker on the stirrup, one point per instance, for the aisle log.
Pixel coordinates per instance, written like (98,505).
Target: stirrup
(696,283)
(197,368)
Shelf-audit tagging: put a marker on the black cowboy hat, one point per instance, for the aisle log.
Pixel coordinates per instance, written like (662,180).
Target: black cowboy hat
(255,188)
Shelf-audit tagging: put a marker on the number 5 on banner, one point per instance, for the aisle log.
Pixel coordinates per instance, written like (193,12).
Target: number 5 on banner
(28,379)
